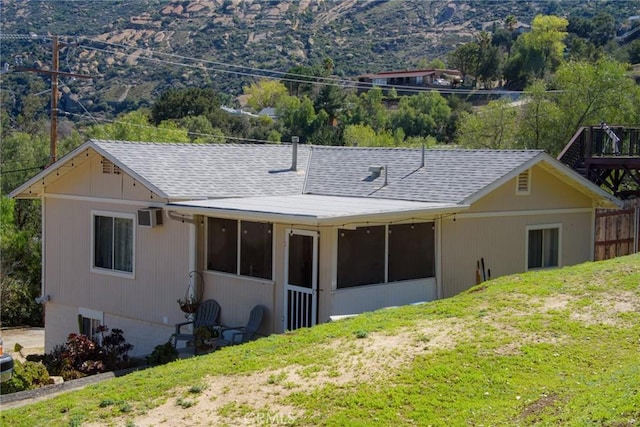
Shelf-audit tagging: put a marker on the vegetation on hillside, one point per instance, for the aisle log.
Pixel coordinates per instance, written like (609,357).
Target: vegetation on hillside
(553,347)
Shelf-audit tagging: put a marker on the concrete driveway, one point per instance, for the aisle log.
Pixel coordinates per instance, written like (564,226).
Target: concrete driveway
(31,339)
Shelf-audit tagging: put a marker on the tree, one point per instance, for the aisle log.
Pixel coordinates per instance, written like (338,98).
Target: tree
(135,126)
(368,109)
(493,127)
(297,116)
(179,103)
(537,52)
(364,136)
(540,121)
(20,267)
(634,52)
(264,93)
(510,23)
(298,80)
(422,115)
(596,92)
(464,58)
(331,100)
(200,130)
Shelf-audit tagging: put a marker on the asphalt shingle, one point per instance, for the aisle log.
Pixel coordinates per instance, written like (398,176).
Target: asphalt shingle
(246,170)
(448,175)
(212,170)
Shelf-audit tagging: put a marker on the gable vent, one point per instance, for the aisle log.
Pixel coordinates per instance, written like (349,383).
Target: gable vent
(524,183)
(109,168)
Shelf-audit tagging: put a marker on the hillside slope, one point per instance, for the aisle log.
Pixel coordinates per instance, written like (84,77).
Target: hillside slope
(557,347)
(115,42)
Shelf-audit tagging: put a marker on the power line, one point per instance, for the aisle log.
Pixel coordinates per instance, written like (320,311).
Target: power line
(24,169)
(226,137)
(261,72)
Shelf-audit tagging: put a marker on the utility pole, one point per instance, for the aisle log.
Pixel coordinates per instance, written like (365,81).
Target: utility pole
(54,73)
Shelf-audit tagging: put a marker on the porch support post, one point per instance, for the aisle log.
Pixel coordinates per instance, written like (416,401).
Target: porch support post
(438,243)
(193,242)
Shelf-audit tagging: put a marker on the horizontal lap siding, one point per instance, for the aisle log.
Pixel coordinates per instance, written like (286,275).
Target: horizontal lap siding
(501,241)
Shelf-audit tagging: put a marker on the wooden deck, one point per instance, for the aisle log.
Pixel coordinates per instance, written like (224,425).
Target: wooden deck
(609,156)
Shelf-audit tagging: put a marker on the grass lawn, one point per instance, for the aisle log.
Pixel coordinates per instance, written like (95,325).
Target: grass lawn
(555,347)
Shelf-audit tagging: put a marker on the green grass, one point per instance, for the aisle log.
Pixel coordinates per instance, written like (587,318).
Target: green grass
(550,348)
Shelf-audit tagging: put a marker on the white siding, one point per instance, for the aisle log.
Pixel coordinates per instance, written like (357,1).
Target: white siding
(360,299)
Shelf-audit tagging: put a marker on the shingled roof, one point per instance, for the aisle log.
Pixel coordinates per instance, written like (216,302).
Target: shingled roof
(210,170)
(215,171)
(448,176)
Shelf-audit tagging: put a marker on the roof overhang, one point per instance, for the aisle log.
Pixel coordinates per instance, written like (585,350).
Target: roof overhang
(601,199)
(35,187)
(315,210)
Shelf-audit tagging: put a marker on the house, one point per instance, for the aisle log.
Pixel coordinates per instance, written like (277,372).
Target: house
(308,232)
(408,81)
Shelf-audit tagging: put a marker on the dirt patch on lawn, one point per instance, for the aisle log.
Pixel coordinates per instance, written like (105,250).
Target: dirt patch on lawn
(260,398)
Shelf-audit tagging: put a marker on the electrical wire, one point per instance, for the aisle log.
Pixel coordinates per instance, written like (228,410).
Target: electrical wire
(225,137)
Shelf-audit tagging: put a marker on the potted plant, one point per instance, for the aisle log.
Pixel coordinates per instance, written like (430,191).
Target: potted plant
(193,294)
(189,305)
(203,336)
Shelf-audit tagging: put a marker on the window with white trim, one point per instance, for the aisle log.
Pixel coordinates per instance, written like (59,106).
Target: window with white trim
(543,247)
(240,247)
(113,242)
(89,322)
(384,254)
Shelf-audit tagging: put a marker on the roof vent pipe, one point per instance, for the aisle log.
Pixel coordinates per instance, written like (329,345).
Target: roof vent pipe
(294,147)
(422,164)
(386,168)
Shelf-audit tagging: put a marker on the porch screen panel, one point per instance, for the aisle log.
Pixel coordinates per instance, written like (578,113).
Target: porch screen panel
(411,251)
(361,256)
(222,245)
(103,242)
(256,249)
(301,260)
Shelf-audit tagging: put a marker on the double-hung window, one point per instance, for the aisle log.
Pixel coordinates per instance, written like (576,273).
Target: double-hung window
(113,242)
(240,247)
(543,246)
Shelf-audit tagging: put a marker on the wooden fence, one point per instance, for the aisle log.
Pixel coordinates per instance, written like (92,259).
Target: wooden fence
(617,231)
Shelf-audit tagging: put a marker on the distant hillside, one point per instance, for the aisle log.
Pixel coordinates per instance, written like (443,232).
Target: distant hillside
(360,36)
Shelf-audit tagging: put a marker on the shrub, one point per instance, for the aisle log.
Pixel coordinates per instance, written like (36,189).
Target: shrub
(115,349)
(80,356)
(26,376)
(163,353)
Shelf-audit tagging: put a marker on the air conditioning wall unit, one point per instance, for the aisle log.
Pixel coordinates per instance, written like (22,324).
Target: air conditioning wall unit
(149,217)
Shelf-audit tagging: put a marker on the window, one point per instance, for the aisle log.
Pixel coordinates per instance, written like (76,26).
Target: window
(361,256)
(222,244)
(410,250)
(256,245)
(543,247)
(113,242)
(89,321)
(249,253)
